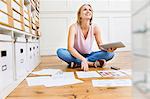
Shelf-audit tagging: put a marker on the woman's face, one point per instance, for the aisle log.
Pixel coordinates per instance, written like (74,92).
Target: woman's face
(86,12)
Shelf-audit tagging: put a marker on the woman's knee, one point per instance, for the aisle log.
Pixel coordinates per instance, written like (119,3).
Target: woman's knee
(60,52)
(64,54)
(110,55)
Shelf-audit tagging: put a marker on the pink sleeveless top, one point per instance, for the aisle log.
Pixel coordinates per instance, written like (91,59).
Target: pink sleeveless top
(82,44)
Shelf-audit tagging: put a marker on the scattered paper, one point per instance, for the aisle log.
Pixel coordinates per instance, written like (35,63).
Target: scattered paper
(112,83)
(48,72)
(126,71)
(37,81)
(65,78)
(61,82)
(111,73)
(65,75)
(89,74)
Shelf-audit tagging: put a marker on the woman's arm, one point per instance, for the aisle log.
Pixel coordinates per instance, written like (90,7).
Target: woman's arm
(72,50)
(99,42)
(97,34)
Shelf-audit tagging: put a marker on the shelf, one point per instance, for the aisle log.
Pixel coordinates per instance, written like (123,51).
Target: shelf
(2,27)
(5,29)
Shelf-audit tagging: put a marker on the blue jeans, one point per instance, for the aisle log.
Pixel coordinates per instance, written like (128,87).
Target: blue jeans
(66,56)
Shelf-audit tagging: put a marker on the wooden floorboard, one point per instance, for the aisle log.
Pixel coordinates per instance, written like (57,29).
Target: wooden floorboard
(77,91)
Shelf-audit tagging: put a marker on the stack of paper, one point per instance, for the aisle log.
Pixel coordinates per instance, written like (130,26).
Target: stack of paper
(112,83)
(89,74)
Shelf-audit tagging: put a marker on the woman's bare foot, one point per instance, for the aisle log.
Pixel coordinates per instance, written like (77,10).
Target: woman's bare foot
(100,63)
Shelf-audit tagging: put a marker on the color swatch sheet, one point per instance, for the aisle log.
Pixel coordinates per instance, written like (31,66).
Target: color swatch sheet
(111,73)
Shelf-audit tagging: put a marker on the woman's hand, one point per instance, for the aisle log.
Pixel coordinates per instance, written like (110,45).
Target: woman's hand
(84,65)
(108,50)
(111,49)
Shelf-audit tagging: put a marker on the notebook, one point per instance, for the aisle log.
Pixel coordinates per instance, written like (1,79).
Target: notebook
(113,45)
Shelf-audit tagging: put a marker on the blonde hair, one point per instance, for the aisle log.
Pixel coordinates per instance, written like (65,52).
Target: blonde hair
(79,11)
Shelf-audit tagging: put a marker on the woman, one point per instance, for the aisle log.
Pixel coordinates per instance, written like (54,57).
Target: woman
(80,40)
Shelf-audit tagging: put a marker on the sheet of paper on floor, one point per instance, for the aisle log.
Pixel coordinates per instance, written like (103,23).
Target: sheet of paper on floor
(126,71)
(89,74)
(69,75)
(37,81)
(47,72)
(111,73)
(65,78)
(112,83)
(61,82)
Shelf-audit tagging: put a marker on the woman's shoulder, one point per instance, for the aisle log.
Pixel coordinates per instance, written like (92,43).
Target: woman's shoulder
(73,26)
(95,26)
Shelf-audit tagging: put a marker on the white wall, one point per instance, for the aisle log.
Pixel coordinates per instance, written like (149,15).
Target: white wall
(113,16)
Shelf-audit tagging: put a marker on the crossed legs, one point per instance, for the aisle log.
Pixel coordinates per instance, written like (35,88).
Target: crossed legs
(66,56)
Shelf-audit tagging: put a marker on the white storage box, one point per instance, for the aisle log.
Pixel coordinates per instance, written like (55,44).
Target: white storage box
(30,39)
(5,37)
(37,54)
(30,59)
(21,39)
(21,62)
(34,55)
(6,65)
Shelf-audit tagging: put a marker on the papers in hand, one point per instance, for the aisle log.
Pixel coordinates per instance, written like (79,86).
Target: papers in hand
(113,45)
(112,83)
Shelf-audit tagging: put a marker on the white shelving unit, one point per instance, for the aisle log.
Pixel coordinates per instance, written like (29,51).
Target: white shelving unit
(16,59)
(19,42)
